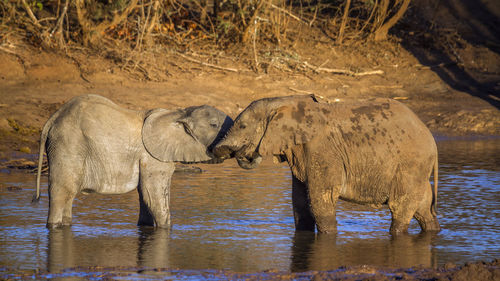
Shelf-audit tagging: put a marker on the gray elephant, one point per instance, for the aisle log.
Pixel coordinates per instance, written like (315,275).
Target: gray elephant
(94,145)
(370,152)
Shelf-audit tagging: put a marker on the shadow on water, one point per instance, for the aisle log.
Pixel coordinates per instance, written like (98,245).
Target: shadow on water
(228,218)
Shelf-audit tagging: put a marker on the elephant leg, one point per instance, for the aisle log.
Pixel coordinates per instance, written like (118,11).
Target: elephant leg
(323,202)
(154,189)
(403,206)
(145,216)
(425,217)
(60,204)
(301,206)
(64,183)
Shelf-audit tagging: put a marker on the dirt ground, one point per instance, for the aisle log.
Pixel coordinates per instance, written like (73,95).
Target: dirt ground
(455,90)
(34,83)
(480,271)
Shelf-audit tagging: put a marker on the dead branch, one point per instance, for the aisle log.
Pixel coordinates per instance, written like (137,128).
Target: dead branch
(254,46)
(290,14)
(30,14)
(259,5)
(300,91)
(208,64)
(58,28)
(341,71)
(91,31)
(382,31)
(344,22)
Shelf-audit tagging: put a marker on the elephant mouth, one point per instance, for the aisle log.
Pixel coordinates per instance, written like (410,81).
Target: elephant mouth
(249,162)
(245,160)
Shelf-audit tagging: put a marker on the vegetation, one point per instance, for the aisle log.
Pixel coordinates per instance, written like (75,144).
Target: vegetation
(138,25)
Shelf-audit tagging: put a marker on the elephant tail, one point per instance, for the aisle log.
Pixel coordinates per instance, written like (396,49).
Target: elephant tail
(43,140)
(435,190)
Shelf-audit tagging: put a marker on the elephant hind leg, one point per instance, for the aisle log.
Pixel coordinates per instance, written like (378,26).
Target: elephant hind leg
(60,206)
(400,220)
(402,210)
(426,219)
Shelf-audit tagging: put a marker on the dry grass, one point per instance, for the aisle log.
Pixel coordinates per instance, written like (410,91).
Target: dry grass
(128,31)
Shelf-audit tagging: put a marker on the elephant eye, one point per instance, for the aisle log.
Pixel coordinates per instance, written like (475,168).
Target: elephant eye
(243,126)
(213,125)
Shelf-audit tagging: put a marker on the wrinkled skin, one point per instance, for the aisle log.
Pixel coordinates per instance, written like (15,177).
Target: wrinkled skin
(370,152)
(93,145)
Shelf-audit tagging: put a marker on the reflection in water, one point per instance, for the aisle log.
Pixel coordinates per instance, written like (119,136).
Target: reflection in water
(312,251)
(67,250)
(229,218)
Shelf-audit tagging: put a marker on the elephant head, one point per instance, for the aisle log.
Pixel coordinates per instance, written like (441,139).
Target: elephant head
(267,127)
(185,135)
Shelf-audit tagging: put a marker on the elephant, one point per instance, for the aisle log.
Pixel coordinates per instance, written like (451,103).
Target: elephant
(94,145)
(373,151)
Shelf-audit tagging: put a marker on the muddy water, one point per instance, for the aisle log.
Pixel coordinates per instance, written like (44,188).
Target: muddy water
(229,218)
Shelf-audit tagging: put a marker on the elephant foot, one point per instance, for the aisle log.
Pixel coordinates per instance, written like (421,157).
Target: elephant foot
(54,225)
(164,225)
(326,224)
(431,226)
(398,227)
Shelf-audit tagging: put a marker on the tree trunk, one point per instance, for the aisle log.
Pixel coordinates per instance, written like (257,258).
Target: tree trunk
(344,22)
(382,31)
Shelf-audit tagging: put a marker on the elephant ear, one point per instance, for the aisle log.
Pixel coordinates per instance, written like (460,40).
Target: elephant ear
(288,126)
(168,138)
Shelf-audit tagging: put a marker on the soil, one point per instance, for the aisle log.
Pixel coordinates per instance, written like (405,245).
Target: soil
(483,271)
(450,76)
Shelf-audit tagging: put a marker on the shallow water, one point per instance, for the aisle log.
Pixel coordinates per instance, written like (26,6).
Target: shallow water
(228,218)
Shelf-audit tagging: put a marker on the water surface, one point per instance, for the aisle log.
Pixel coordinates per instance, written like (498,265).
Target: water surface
(227,218)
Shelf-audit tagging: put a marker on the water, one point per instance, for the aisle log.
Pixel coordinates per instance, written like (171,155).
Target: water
(232,219)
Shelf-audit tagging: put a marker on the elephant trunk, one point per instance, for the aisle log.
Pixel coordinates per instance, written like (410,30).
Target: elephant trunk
(249,163)
(245,162)
(223,152)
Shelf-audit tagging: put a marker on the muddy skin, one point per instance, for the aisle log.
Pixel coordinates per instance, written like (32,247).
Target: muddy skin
(371,152)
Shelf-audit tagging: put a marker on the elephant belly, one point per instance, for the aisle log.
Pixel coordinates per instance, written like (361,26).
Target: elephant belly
(110,179)
(367,192)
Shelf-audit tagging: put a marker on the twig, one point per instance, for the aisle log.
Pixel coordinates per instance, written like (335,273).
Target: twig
(300,91)
(254,47)
(208,64)
(424,67)
(59,24)
(289,14)
(30,13)
(342,71)
(388,86)
(8,51)
(344,21)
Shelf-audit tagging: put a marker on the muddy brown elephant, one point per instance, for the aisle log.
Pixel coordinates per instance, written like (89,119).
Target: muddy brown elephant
(371,152)
(94,145)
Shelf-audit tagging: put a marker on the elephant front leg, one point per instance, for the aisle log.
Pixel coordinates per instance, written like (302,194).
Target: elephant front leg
(304,219)
(323,202)
(145,216)
(154,194)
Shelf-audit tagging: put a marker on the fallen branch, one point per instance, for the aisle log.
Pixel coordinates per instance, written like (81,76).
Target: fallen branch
(8,51)
(289,14)
(300,91)
(208,64)
(341,71)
